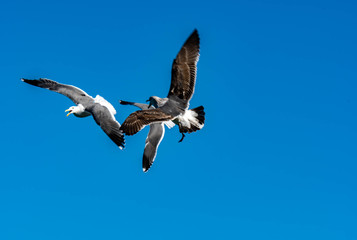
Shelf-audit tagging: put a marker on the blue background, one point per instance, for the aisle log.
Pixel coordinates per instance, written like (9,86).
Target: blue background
(275,160)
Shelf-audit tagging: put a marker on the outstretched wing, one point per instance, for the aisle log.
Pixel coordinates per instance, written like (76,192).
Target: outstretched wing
(107,122)
(152,142)
(154,138)
(142,106)
(139,119)
(69,91)
(183,73)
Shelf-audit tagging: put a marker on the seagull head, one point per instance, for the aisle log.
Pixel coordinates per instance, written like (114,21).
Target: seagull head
(71,110)
(78,111)
(152,101)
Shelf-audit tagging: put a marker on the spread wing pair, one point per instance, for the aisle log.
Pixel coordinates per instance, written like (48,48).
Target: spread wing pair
(175,106)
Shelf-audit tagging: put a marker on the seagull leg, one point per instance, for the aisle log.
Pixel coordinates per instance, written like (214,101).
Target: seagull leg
(183,136)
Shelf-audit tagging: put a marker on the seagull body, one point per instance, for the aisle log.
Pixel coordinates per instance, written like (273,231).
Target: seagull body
(175,106)
(154,137)
(101,110)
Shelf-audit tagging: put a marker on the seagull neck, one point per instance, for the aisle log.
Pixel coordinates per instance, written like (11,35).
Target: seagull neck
(80,111)
(160,101)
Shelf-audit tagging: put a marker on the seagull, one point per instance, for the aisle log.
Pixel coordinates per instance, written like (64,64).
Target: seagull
(175,106)
(154,138)
(101,110)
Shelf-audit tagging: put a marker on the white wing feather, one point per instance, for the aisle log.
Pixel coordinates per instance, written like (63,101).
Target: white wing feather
(105,103)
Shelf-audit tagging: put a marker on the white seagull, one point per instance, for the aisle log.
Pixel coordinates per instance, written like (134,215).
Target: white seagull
(101,110)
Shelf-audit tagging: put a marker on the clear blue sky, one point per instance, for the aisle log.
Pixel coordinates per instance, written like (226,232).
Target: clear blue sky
(275,160)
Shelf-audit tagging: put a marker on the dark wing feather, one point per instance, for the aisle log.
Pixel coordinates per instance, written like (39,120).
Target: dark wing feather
(108,124)
(152,142)
(183,73)
(153,139)
(139,119)
(69,91)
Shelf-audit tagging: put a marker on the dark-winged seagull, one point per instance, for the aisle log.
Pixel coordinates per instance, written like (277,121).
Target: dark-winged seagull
(101,110)
(175,106)
(154,138)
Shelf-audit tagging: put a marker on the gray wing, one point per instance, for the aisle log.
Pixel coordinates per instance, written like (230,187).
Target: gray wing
(154,138)
(69,91)
(142,106)
(107,122)
(183,72)
(152,142)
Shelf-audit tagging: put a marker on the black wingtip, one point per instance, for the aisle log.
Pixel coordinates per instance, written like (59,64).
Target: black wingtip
(25,80)
(33,82)
(195,32)
(193,39)
(41,82)
(146,164)
(118,139)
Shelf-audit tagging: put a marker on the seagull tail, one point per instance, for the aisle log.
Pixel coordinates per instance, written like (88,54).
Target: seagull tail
(196,118)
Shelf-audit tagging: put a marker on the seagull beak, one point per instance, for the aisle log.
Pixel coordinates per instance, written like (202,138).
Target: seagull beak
(68,110)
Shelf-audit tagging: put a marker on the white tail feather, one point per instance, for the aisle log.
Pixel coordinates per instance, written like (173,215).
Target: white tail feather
(169,124)
(190,116)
